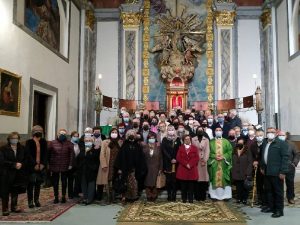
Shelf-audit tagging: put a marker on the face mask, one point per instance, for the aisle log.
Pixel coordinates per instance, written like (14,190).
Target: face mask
(126,120)
(113,135)
(204,125)
(88,135)
(172,117)
(162,119)
(88,144)
(219,134)
(259,139)
(187,145)
(96,135)
(191,122)
(154,123)
(135,125)
(270,136)
(210,120)
(13,141)
(137,116)
(200,133)
(221,120)
(145,127)
(251,132)
(245,132)
(171,132)
(283,138)
(75,139)
(231,137)
(131,138)
(121,130)
(38,134)
(239,146)
(146,117)
(151,140)
(62,137)
(181,129)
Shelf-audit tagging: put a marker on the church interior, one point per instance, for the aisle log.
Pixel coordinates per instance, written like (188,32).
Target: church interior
(74,64)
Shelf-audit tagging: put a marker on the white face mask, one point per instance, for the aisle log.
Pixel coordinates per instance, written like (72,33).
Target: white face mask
(281,137)
(210,120)
(171,132)
(181,129)
(259,139)
(187,146)
(270,136)
(219,134)
(113,135)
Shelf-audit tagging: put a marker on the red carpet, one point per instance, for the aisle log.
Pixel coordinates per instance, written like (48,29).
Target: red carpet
(46,213)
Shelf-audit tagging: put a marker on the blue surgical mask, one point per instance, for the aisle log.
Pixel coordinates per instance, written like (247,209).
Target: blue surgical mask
(96,135)
(221,120)
(210,120)
(121,130)
(88,144)
(126,119)
(13,141)
(219,134)
(283,138)
(75,139)
(151,140)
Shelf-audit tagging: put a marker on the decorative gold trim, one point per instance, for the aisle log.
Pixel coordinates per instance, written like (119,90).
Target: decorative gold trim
(210,54)
(266,18)
(146,40)
(90,19)
(225,18)
(131,19)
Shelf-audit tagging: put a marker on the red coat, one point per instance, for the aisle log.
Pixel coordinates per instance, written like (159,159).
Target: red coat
(184,158)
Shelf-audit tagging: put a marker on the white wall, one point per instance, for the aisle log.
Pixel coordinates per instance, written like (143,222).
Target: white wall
(107,62)
(23,55)
(248,62)
(289,78)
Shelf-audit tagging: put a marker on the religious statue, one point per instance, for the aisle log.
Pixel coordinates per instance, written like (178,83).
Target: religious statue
(98,100)
(180,41)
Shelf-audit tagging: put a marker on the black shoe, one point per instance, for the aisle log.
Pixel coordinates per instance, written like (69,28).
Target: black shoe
(277,214)
(63,200)
(6,213)
(37,204)
(30,204)
(238,201)
(56,201)
(267,210)
(244,202)
(191,201)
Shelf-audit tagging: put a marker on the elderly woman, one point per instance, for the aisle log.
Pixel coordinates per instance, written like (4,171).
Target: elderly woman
(109,151)
(130,164)
(201,142)
(169,147)
(187,172)
(154,166)
(60,156)
(88,164)
(36,147)
(14,161)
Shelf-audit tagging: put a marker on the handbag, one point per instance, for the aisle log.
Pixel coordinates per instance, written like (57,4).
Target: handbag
(161,180)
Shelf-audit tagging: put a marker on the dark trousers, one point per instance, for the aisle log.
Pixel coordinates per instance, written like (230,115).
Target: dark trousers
(290,185)
(242,192)
(55,182)
(74,184)
(99,193)
(261,195)
(187,190)
(5,200)
(200,189)
(33,192)
(88,189)
(274,193)
(171,186)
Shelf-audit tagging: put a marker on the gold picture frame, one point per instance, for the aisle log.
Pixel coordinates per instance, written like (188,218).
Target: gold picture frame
(10,93)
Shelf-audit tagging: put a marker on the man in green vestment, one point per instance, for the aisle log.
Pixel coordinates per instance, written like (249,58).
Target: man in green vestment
(219,166)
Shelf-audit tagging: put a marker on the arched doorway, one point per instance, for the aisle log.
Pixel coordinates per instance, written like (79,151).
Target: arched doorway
(177,91)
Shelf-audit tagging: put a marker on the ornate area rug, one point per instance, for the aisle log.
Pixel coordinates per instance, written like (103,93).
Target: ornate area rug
(208,212)
(46,213)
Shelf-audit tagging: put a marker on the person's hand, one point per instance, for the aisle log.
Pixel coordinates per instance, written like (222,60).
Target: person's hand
(18,166)
(104,169)
(119,171)
(37,167)
(203,163)
(255,164)
(70,167)
(42,167)
(281,176)
(262,172)
(188,166)
(173,161)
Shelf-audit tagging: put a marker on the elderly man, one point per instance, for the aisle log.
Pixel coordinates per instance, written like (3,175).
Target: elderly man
(274,167)
(235,121)
(294,156)
(223,124)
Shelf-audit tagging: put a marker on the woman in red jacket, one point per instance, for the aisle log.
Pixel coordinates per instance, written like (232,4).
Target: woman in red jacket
(187,172)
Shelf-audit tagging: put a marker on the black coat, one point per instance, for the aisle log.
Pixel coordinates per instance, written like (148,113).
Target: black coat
(13,180)
(30,147)
(278,156)
(235,122)
(88,163)
(242,165)
(169,151)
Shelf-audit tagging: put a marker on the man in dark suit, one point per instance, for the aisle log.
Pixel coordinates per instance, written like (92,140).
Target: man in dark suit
(274,166)
(223,124)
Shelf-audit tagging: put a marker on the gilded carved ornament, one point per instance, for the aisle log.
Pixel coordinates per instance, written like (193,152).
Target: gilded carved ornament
(131,19)
(266,18)
(225,18)
(90,19)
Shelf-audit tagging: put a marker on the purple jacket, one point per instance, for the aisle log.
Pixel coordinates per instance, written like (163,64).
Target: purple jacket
(60,155)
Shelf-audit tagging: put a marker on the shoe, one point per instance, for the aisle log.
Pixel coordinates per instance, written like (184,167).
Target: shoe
(244,202)
(30,204)
(291,201)
(277,214)
(37,204)
(16,210)
(63,200)
(6,213)
(239,201)
(56,201)
(267,210)
(191,201)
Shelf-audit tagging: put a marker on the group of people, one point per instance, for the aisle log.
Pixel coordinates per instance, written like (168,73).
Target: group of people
(199,153)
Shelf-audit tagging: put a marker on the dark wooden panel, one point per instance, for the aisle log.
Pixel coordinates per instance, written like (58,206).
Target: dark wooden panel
(107,3)
(249,2)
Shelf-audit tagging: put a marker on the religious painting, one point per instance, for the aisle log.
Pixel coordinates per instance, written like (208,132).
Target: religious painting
(10,97)
(177,49)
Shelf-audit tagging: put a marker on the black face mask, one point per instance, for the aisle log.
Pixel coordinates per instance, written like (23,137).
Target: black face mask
(135,125)
(146,127)
(231,138)
(193,110)
(146,117)
(154,123)
(204,125)
(172,117)
(38,135)
(131,138)
(239,146)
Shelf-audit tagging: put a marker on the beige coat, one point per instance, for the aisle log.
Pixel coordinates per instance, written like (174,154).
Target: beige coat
(203,149)
(102,176)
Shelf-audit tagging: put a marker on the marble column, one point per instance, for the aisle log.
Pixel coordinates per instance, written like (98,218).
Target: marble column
(268,81)
(131,15)
(224,20)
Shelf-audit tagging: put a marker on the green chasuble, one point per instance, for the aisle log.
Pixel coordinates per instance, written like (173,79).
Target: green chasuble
(219,171)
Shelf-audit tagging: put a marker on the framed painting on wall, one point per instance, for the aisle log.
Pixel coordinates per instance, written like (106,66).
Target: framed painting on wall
(10,96)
